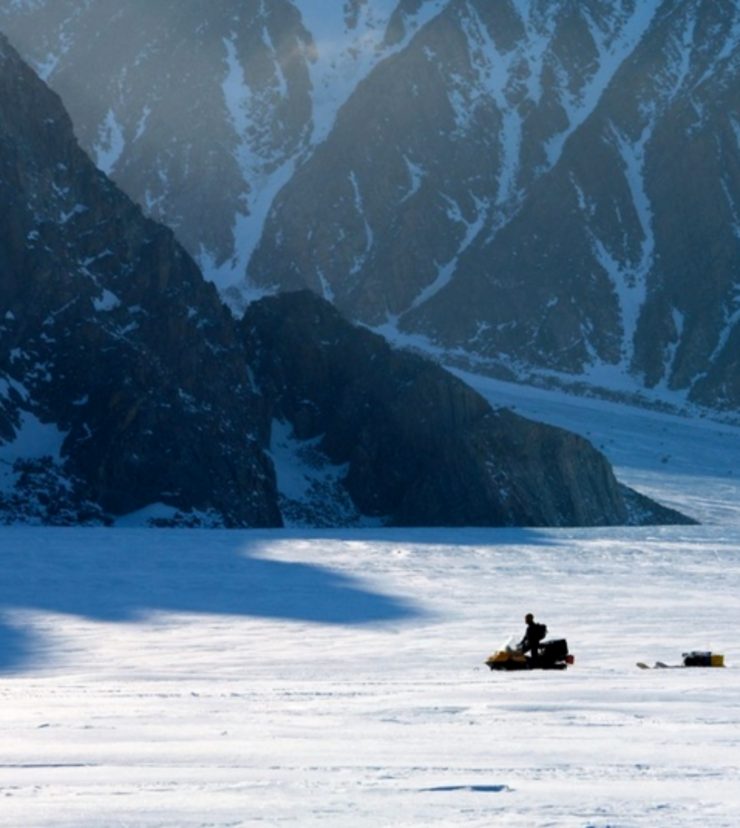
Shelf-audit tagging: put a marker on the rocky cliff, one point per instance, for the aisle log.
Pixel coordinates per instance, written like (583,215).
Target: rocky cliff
(417,445)
(126,384)
(547,187)
(109,333)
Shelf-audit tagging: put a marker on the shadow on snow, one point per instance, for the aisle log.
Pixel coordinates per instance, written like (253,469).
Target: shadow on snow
(127,575)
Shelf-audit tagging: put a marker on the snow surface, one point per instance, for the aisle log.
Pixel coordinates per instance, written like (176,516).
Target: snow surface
(193,679)
(34,440)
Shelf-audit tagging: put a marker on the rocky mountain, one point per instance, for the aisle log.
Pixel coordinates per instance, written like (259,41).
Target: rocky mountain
(127,385)
(547,189)
(121,378)
(416,445)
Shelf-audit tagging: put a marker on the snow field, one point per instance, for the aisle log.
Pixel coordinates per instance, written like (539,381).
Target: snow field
(375,710)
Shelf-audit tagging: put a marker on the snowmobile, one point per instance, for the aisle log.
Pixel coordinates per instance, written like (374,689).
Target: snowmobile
(551,655)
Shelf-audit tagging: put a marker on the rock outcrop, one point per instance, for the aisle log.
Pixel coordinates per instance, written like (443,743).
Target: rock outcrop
(108,331)
(125,383)
(421,447)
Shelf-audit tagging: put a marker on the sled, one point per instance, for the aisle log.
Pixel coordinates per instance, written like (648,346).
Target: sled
(695,658)
(551,655)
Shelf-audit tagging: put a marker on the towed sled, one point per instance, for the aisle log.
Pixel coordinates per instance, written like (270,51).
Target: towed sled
(551,655)
(695,658)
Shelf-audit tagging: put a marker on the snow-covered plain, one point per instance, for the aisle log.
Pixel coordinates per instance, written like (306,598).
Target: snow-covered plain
(215,679)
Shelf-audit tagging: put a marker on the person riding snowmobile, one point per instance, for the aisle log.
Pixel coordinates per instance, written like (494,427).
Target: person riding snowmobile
(533,652)
(533,636)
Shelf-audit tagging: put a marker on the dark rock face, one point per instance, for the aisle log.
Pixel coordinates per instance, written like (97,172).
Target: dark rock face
(115,351)
(420,446)
(162,94)
(109,331)
(545,186)
(557,209)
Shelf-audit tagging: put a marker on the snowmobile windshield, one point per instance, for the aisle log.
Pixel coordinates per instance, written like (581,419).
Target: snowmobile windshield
(513,644)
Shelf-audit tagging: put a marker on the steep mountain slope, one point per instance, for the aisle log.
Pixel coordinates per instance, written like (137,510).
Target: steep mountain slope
(125,382)
(556,192)
(546,187)
(198,111)
(121,380)
(417,446)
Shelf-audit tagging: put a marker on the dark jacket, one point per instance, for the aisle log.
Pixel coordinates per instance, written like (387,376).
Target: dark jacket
(533,637)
